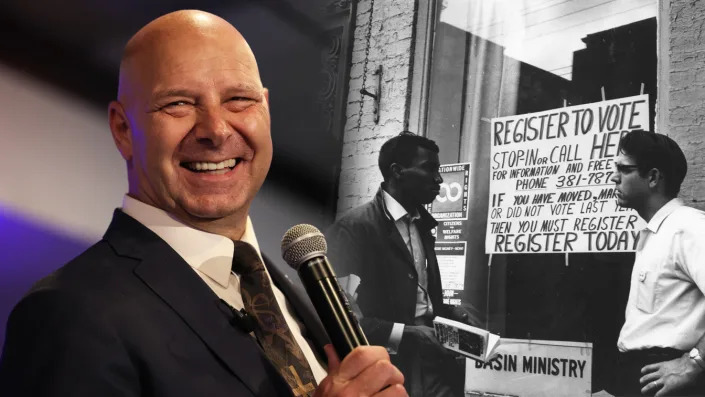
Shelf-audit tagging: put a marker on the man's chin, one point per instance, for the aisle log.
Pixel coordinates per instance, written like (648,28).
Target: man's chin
(210,210)
(207,215)
(430,198)
(622,203)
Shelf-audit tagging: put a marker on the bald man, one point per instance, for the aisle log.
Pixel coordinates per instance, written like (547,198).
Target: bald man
(152,309)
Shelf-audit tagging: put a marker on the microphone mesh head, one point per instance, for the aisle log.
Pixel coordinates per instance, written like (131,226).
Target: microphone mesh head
(302,242)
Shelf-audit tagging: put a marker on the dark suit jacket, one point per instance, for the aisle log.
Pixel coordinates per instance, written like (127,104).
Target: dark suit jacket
(366,242)
(129,317)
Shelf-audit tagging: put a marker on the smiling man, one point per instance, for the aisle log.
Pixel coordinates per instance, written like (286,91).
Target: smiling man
(155,307)
(387,245)
(662,342)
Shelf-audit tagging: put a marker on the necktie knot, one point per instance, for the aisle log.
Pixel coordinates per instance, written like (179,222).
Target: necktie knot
(245,259)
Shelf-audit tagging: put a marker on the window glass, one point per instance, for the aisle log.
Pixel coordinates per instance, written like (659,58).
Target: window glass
(495,58)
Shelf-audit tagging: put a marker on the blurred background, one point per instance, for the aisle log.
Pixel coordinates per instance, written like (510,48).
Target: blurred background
(60,174)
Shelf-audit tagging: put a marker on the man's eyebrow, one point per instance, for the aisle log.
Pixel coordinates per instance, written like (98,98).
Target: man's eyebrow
(429,164)
(243,88)
(171,92)
(229,91)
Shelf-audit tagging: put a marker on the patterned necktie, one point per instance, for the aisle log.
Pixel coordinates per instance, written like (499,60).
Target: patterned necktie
(272,332)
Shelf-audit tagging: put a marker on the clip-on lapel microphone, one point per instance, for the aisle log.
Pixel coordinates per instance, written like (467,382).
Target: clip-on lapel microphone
(241,319)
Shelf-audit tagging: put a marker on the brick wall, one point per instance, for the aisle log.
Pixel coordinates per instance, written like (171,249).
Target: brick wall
(686,105)
(390,46)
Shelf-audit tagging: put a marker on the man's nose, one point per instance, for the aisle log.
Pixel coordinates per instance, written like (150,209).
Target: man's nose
(615,177)
(438,178)
(212,127)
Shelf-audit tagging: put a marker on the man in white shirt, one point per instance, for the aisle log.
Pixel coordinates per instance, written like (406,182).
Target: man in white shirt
(661,343)
(152,309)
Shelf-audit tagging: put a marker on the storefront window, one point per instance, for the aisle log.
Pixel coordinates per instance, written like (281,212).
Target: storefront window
(493,58)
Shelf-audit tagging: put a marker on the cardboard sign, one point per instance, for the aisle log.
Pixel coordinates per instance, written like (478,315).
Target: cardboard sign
(533,368)
(550,188)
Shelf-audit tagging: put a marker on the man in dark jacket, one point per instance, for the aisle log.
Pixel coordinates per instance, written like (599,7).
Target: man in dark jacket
(386,245)
(147,311)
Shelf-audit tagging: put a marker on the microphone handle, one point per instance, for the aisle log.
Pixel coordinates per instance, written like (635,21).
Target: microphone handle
(331,305)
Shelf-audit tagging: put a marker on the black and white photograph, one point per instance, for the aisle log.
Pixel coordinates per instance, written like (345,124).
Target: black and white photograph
(425,198)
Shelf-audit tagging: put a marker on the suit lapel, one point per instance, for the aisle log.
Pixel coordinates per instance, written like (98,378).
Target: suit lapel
(394,236)
(177,284)
(393,233)
(426,223)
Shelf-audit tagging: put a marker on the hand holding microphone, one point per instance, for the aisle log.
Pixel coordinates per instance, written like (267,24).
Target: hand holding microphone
(364,370)
(304,248)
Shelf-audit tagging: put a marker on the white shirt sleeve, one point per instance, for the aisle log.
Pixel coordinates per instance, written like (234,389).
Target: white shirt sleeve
(690,251)
(395,338)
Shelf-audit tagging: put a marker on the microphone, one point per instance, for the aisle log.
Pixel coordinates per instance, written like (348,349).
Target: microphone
(304,248)
(241,319)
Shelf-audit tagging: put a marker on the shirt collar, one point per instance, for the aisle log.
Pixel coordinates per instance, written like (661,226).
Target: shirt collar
(663,213)
(396,210)
(211,254)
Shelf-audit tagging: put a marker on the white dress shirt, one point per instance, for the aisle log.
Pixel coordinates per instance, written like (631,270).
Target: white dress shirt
(210,256)
(666,306)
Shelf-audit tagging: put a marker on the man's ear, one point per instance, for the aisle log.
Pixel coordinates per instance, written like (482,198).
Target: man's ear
(655,177)
(397,170)
(120,128)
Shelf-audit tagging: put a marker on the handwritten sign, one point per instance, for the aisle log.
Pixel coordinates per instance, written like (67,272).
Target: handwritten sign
(533,368)
(550,188)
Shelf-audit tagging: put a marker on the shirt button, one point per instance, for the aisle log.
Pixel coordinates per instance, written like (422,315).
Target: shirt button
(642,275)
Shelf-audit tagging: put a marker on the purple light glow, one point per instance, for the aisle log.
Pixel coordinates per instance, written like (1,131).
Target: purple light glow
(28,252)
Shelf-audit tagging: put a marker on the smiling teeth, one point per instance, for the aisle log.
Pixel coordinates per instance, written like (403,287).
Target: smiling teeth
(205,166)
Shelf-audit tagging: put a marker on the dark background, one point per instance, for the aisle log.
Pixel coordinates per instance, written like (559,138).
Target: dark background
(76,46)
